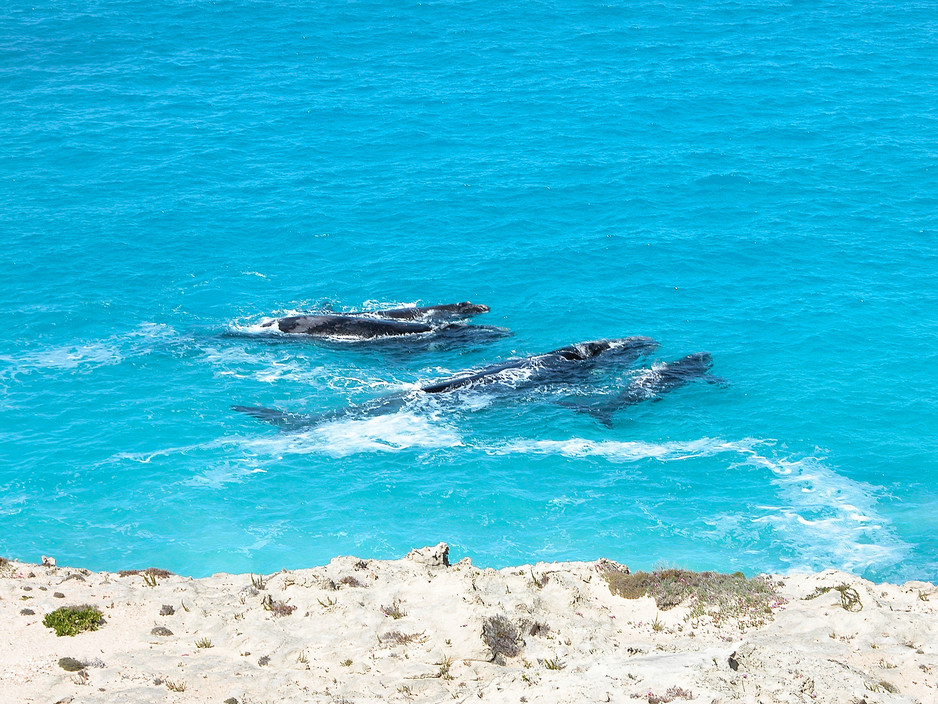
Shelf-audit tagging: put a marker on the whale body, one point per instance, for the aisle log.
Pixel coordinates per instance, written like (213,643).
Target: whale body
(394,322)
(650,384)
(348,326)
(564,365)
(559,365)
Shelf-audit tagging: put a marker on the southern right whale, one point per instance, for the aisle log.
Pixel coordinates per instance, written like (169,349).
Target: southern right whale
(562,365)
(347,326)
(394,322)
(565,365)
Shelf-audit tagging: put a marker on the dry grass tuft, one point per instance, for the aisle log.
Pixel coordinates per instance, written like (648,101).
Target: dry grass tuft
(403,638)
(277,607)
(154,572)
(849,598)
(394,610)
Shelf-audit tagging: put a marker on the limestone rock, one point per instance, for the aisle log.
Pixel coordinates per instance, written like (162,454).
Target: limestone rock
(435,556)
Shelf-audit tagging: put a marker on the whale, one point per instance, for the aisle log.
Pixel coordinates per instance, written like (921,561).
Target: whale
(394,322)
(652,383)
(561,365)
(348,326)
(569,364)
(446,311)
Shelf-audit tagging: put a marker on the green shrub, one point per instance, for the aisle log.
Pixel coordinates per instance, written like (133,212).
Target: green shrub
(72,620)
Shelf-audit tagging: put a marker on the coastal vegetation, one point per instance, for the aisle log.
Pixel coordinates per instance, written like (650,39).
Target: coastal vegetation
(502,638)
(721,597)
(72,620)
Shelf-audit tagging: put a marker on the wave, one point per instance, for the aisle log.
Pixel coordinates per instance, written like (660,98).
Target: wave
(822,518)
(91,354)
(396,432)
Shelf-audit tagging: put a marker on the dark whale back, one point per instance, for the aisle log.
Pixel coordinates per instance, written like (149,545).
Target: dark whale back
(559,365)
(446,311)
(348,326)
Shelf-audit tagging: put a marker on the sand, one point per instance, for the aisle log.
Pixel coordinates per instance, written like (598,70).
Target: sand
(420,630)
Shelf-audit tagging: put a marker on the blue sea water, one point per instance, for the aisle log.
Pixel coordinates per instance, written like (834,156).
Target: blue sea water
(754,179)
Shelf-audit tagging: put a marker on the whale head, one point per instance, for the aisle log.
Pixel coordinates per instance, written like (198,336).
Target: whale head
(632,346)
(467,308)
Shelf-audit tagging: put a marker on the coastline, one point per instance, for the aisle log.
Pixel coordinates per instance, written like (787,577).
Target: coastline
(419,629)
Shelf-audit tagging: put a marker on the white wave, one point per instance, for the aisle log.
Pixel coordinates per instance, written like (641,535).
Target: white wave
(96,354)
(822,518)
(387,433)
(265,367)
(92,354)
(829,519)
(619,451)
(147,457)
(219,477)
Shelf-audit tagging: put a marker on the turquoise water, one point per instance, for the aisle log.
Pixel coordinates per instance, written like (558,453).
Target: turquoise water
(757,180)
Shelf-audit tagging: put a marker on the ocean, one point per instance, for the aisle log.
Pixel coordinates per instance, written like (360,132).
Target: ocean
(757,180)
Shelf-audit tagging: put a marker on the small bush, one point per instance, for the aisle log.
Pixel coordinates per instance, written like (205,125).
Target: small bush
(276,607)
(502,638)
(71,664)
(204,643)
(72,620)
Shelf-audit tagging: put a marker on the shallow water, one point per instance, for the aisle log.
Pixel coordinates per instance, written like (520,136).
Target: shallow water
(753,180)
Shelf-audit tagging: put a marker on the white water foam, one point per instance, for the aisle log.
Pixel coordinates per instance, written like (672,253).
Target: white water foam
(219,477)
(617,451)
(824,518)
(386,433)
(91,354)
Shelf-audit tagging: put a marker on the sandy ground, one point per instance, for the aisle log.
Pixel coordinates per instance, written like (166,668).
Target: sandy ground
(419,629)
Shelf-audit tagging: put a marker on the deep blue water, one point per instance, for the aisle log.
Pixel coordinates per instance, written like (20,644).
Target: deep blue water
(758,180)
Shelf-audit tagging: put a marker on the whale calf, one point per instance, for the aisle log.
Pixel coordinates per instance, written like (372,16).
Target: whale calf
(565,365)
(395,322)
(650,384)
